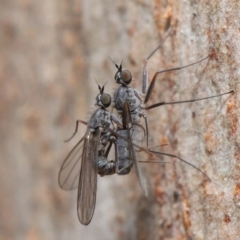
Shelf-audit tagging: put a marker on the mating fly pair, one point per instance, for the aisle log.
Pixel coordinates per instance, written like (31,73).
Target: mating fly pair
(90,155)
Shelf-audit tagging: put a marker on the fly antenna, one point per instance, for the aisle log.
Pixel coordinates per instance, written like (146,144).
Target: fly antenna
(120,68)
(114,63)
(101,89)
(105,83)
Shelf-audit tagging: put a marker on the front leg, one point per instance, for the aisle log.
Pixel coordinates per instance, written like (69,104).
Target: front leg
(76,129)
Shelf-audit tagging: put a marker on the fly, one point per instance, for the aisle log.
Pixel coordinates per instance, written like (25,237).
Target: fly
(88,157)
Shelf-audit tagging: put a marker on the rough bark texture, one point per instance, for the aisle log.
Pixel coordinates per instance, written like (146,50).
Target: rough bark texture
(50,52)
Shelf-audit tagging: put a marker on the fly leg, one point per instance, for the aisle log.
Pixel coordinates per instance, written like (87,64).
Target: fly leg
(186,101)
(129,166)
(145,72)
(76,129)
(149,90)
(147,130)
(152,84)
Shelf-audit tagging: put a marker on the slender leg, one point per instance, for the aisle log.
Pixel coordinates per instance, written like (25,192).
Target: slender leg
(181,159)
(156,153)
(108,150)
(76,129)
(153,162)
(152,84)
(186,101)
(145,72)
(122,169)
(147,130)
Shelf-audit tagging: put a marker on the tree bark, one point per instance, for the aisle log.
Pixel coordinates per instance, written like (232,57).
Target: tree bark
(50,53)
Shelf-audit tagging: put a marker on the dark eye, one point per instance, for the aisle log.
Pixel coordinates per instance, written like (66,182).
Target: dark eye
(126,76)
(106,99)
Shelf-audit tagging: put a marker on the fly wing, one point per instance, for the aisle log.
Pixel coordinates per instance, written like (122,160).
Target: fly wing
(69,173)
(127,124)
(87,186)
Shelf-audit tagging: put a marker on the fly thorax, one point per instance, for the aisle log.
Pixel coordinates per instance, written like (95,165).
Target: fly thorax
(135,117)
(93,122)
(120,97)
(130,92)
(105,119)
(132,103)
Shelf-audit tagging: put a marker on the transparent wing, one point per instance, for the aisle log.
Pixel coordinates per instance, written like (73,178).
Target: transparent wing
(69,173)
(127,123)
(87,186)
(137,135)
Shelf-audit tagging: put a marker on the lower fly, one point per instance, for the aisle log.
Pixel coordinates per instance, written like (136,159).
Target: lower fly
(90,157)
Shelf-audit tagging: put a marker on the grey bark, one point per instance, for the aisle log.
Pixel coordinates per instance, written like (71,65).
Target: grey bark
(50,53)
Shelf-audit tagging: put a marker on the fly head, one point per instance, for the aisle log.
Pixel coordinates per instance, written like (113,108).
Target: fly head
(122,76)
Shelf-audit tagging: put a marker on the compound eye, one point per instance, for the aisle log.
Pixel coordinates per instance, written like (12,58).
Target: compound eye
(126,76)
(105,100)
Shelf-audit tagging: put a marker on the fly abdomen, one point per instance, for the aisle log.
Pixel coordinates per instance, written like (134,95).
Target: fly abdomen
(123,153)
(105,167)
